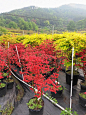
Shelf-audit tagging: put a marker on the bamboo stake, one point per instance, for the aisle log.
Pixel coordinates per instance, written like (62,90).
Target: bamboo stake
(71,78)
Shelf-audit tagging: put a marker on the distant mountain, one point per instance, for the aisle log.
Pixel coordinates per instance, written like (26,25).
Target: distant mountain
(80,6)
(43,17)
(75,12)
(69,12)
(72,5)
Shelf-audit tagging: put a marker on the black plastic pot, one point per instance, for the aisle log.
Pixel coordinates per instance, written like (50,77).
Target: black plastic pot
(46,75)
(82,101)
(9,84)
(50,73)
(5,70)
(57,94)
(3,90)
(36,112)
(68,78)
(4,77)
(83,87)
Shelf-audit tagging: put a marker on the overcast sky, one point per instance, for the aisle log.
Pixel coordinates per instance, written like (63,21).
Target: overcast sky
(8,5)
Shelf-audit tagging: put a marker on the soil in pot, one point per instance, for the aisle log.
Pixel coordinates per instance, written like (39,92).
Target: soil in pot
(75,77)
(3,89)
(34,108)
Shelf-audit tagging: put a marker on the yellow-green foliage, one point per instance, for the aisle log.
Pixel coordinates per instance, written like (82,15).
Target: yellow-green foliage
(35,39)
(69,40)
(63,41)
(57,36)
(11,38)
(7,38)
(19,39)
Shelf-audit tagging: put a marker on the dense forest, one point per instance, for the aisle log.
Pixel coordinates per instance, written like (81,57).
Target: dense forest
(69,17)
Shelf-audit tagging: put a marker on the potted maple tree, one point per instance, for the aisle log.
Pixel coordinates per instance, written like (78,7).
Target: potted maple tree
(37,63)
(36,103)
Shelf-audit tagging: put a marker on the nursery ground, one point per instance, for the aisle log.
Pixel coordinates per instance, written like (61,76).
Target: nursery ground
(49,108)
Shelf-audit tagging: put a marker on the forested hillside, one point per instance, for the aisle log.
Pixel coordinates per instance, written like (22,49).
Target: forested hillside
(67,17)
